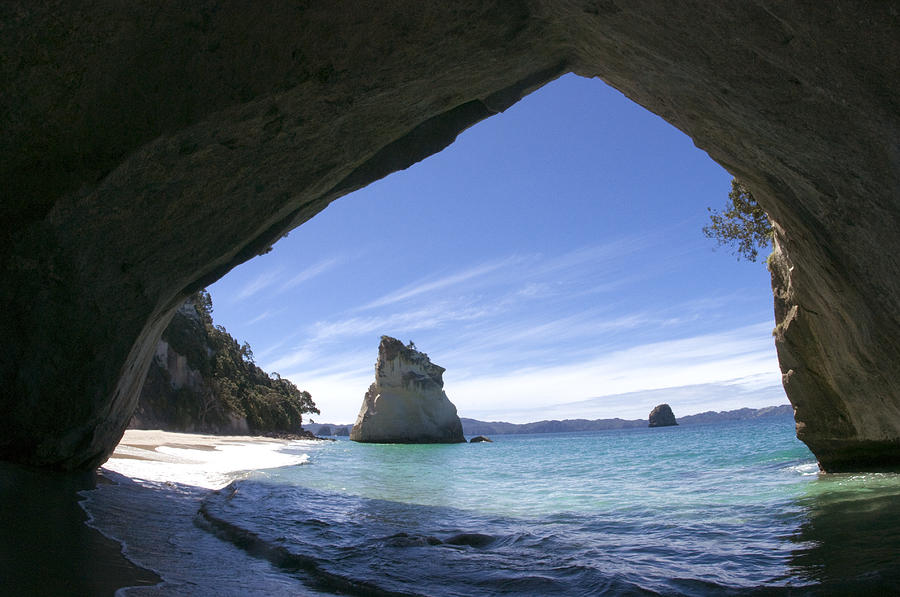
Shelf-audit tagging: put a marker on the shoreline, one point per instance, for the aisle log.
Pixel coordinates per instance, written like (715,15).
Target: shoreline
(50,544)
(150,467)
(47,544)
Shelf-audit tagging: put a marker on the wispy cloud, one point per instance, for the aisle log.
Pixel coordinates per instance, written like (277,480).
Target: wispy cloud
(262,316)
(711,358)
(685,400)
(430,285)
(533,276)
(736,368)
(261,282)
(427,317)
(310,272)
(290,359)
(592,256)
(271,279)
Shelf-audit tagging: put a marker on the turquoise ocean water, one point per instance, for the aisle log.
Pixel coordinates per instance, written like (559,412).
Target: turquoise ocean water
(734,508)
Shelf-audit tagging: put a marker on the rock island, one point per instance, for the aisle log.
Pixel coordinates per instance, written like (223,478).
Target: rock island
(407,403)
(662,416)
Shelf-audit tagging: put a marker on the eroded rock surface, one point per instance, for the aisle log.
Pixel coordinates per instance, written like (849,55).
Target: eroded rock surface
(662,416)
(406,404)
(148,148)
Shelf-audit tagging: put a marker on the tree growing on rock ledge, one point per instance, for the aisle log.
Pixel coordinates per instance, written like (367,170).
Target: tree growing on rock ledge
(744,224)
(203,379)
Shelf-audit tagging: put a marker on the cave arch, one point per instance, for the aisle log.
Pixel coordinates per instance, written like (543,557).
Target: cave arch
(149,149)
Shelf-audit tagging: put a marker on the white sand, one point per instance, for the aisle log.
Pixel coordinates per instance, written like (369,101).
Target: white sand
(210,461)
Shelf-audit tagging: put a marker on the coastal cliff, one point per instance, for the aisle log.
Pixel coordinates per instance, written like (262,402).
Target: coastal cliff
(406,404)
(202,380)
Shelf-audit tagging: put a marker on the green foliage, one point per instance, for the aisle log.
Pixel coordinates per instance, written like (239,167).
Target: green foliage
(744,225)
(235,385)
(203,304)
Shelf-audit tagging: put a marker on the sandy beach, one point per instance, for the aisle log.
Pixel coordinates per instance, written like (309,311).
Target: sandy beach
(166,476)
(142,444)
(48,546)
(207,461)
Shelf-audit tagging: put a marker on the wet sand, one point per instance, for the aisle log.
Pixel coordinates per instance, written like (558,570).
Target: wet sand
(45,547)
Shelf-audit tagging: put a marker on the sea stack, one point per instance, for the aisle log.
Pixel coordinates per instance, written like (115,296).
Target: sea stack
(407,403)
(662,416)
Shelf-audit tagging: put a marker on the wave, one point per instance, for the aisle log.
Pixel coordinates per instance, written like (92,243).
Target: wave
(362,546)
(281,557)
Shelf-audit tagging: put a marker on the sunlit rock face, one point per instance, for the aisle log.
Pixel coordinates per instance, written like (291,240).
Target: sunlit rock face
(406,404)
(149,148)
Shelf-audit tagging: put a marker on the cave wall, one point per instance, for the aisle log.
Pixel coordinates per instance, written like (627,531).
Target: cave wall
(149,147)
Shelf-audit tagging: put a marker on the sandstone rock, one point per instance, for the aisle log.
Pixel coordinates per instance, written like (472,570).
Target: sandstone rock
(662,416)
(148,150)
(480,438)
(407,403)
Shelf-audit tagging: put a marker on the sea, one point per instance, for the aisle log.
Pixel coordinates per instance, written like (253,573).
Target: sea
(736,508)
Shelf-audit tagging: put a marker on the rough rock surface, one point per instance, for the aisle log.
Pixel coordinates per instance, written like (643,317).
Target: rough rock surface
(407,403)
(149,147)
(662,416)
(478,439)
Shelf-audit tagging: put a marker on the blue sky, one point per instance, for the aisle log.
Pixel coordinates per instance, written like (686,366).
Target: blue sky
(551,260)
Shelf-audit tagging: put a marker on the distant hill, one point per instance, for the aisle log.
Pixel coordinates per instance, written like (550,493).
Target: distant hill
(475,427)
(741,414)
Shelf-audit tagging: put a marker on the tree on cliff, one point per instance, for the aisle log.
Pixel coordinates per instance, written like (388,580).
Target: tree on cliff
(231,385)
(743,225)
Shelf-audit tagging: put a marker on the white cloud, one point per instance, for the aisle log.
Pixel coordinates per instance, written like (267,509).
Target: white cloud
(684,400)
(337,395)
(310,272)
(261,317)
(735,368)
(426,318)
(589,257)
(261,282)
(743,353)
(291,359)
(430,285)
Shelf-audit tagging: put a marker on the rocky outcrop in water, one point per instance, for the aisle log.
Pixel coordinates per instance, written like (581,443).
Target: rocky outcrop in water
(407,403)
(149,149)
(662,416)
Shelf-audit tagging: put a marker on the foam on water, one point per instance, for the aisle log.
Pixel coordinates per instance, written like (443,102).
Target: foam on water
(727,508)
(150,506)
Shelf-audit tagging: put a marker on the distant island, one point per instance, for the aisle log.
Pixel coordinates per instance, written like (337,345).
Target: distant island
(475,427)
(662,416)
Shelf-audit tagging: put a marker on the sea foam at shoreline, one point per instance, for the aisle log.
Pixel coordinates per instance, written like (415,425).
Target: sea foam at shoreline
(692,510)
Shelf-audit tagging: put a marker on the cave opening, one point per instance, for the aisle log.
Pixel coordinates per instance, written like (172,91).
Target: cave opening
(551,259)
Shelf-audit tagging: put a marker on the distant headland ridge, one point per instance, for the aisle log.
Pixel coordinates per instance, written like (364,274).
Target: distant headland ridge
(476,427)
